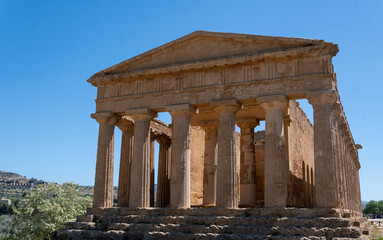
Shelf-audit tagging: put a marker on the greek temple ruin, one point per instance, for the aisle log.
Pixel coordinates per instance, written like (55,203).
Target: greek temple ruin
(211,82)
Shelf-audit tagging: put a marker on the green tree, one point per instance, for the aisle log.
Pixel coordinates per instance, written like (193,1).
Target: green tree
(373,207)
(46,208)
(5,226)
(5,209)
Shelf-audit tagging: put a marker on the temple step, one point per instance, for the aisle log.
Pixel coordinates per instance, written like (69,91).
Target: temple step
(220,229)
(120,223)
(231,220)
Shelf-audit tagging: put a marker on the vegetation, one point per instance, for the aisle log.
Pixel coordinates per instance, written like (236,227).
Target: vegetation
(373,207)
(13,192)
(8,177)
(377,233)
(5,209)
(35,181)
(5,226)
(47,208)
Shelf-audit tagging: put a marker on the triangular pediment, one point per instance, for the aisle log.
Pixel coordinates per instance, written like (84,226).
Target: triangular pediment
(203,46)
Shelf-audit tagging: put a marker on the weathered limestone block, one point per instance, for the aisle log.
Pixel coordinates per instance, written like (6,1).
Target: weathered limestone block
(210,162)
(300,149)
(197,148)
(103,185)
(247,162)
(275,157)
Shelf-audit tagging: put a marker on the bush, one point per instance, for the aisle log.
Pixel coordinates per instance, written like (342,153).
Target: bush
(46,208)
(5,226)
(5,209)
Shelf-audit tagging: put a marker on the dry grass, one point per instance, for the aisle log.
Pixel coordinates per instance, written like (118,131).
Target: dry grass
(377,233)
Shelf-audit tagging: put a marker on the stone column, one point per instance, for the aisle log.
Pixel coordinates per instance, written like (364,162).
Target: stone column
(127,128)
(359,197)
(180,180)
(227,177)
(163,180)
(326,191)
(140,178)
(260,171)
(152,163)
(247,176)
(275,156)
(336,133)
(210,162)
(103,184)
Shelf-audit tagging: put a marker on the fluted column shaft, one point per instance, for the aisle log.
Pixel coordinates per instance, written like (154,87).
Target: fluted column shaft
(103,185)
(126,155)
(247,176)
(227,178)
(140,178)
(163,178)
(210,162)
(275,156)
(152,163)
(180,180)
(326,189)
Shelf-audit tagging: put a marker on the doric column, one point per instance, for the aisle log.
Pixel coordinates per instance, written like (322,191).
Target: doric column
(227,176)
(247,173)
(275,157)
(336,135)
(210,162)
(152,163)
(163,180)
(326,190)
(103,184)
(260,170)
(359,197)
(140,178)
(127,128)
(180,180)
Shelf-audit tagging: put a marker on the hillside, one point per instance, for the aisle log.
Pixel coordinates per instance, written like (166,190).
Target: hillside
(8,177)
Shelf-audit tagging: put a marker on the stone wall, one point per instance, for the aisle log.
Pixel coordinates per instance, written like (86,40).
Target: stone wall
(197,148)
(299,134)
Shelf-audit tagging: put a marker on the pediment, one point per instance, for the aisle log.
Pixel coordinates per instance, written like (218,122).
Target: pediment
(204,46)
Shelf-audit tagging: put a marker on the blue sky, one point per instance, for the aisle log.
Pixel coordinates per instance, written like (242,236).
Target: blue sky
(48,49)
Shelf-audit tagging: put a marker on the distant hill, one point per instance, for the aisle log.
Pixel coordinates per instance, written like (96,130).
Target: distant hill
(8,177)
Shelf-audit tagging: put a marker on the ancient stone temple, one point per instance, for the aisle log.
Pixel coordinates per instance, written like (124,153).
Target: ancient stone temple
(294,180)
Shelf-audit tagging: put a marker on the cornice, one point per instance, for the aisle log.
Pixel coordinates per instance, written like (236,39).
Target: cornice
(296,52)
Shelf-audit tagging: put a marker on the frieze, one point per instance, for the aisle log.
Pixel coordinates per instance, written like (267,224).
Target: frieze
(214,77)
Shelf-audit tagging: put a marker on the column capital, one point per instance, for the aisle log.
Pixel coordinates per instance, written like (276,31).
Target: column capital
(138,114)
(126,123)
(226,106)
(247,122)
(181,110)
(322,97)
(105,117)
(273,101)
(337,108)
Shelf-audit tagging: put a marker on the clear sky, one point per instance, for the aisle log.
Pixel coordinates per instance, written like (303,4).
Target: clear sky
(48,49)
